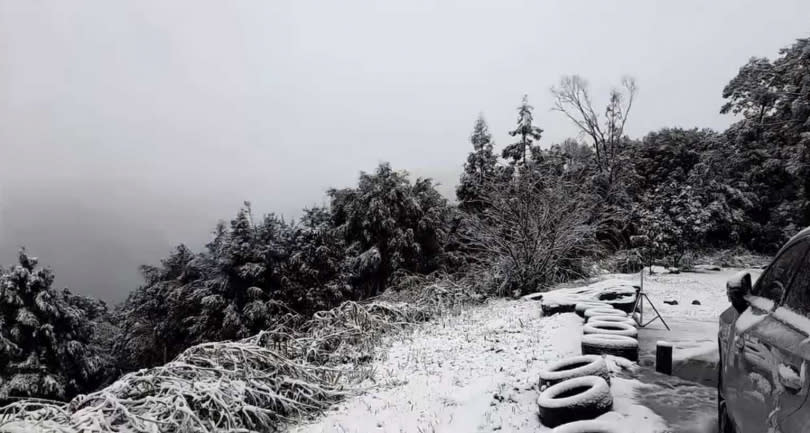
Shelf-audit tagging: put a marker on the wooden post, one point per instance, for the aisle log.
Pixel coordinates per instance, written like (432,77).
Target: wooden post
(663,357)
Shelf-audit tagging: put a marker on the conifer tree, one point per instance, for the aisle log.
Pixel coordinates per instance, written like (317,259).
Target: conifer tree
(479,169)
(46,336)
(516,153)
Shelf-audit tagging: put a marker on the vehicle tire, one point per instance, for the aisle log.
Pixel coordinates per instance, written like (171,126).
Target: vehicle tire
(590,426)
(604,312)
(614,328)
(582,306)
(608,344)
(576,366)
(613,319)
(573,400)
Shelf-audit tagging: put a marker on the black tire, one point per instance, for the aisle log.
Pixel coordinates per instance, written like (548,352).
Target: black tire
(576,366)
(607,344)
(613,319)
(573,400)
(624,303)
(556,307)
(590,426)
(614,328)
(604,312)
(587,305)
(622,298)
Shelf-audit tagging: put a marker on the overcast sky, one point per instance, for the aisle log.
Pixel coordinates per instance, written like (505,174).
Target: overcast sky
(128,127)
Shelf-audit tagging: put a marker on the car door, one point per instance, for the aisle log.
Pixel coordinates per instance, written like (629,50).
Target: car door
(757,348)
(793,354)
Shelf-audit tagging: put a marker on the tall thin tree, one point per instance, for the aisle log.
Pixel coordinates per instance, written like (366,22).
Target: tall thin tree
(526,130)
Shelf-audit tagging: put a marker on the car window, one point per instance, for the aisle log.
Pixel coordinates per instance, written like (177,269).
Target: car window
(798,298)
(773,283)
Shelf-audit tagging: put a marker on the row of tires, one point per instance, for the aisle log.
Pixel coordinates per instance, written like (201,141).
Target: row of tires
(608,331)
(620,298)
(576,390)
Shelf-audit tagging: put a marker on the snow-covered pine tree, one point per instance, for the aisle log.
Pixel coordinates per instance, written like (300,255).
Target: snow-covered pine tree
(516,153)
(479,169)
(47,343)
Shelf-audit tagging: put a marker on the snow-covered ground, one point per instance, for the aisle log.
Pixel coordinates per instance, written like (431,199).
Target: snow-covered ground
(477,371)
(473,372)
(688,406)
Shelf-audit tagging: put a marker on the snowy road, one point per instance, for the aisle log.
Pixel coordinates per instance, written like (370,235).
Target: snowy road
(687,401)
(477,371)
(474,372)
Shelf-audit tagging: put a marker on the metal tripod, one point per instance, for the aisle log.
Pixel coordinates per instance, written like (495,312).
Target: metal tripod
(639,307)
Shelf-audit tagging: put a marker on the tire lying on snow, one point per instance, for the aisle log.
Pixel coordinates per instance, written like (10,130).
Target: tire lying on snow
(556,307)
(581,307)
(622,298)
(590,426)
(613,319)
(609,344)
(604,312)
(576,366)
(615,328)
(575,399)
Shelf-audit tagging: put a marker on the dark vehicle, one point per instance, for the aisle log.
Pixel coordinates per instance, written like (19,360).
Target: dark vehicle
(764,371)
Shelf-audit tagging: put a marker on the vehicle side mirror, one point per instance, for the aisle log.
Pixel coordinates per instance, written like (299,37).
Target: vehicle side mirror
(737,288)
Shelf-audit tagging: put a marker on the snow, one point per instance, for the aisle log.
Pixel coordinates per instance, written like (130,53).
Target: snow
(598,393)
(476,371)
(611,340)
(790,377)
(614,328)
(588,293)
(479,371)
(585,365)
(799,322)
(604,312)
(701,350)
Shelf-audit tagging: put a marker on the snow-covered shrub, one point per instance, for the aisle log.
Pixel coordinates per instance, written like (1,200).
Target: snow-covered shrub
(534,232)
(673,219)
(254,384)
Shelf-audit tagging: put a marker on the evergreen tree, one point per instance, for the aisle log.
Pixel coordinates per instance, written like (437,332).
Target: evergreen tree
(318,268)
(47,345)
(479,170)
(771,145)
(516,153)
(390,225)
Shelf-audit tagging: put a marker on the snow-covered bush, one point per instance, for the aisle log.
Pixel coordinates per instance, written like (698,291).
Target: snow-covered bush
(534,232)
(673,219)
(254,384)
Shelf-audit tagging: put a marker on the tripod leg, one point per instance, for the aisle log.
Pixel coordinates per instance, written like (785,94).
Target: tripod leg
(638,307)
(657,313)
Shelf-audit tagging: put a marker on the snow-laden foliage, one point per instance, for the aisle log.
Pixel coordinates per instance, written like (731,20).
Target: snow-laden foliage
(404,224)
(533,233)
(673,220)
(518,152)
(53,344)
(252,385)
(255,271)
(479,170)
